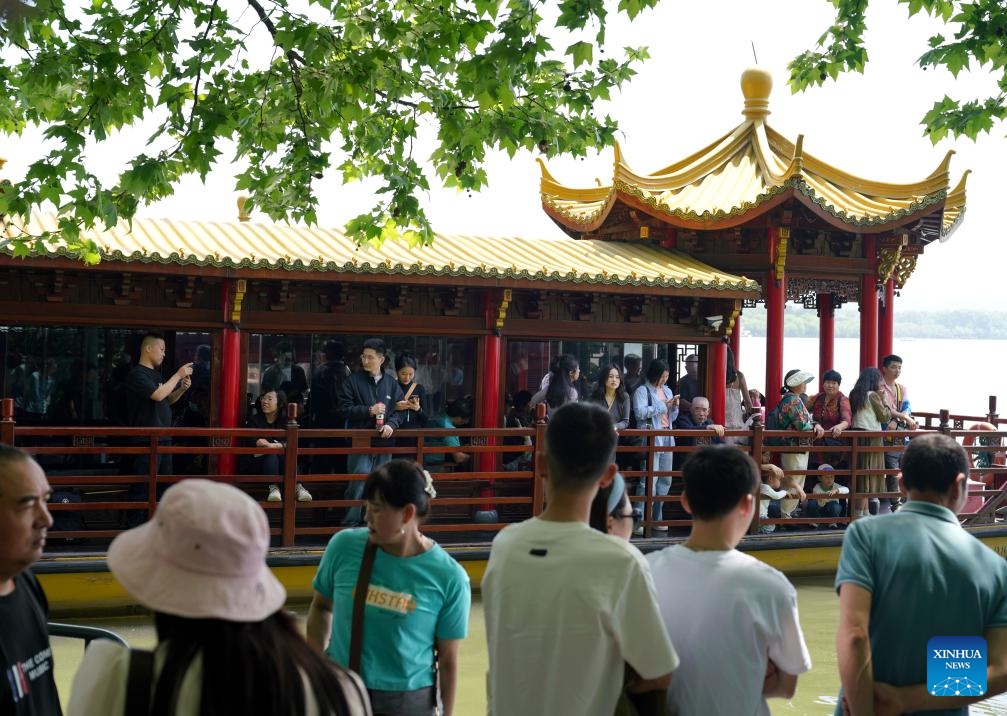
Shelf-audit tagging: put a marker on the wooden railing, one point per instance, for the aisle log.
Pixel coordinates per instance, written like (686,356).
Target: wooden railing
(91,460)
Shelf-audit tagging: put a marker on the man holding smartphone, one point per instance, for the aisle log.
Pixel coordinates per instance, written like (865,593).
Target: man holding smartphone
(149,398)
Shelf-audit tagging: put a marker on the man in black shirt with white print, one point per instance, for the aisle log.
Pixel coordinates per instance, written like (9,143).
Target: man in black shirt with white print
(27,686)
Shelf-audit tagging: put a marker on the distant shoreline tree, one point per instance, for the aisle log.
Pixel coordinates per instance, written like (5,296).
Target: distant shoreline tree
(289,81)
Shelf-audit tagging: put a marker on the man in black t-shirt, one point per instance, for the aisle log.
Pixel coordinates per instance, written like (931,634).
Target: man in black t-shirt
(149,398)
(27,687)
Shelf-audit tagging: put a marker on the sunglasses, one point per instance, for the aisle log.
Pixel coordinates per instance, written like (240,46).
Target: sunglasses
(636,515)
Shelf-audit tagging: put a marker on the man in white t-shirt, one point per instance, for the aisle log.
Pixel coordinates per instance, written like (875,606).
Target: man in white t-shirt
(566,606)
(733,618)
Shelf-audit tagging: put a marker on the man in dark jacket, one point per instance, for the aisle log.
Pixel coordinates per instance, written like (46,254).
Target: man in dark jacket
(368,401)
(326,388)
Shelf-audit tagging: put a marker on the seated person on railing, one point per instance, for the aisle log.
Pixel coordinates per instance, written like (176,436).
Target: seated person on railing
(456,415)
(827,489)
(270,414)
(696,418)
(225,644)
(770,497)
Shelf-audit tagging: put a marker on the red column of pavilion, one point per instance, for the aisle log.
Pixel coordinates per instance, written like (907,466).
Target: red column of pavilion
(489,413)
(826,334)
(776,296)
(869,307)
(230,374)
(886,322)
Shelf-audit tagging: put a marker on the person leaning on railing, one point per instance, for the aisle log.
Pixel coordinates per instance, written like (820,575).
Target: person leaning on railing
(831,409)
(795,416)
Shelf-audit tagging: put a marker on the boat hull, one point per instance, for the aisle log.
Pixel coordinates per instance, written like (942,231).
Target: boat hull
(79,584)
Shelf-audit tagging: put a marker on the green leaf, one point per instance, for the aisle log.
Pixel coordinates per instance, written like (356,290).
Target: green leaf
(581,52)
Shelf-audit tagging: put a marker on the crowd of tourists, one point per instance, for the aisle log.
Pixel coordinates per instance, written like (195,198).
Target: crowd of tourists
(578,620)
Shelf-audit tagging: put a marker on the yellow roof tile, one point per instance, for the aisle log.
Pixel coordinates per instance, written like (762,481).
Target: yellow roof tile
(248,244)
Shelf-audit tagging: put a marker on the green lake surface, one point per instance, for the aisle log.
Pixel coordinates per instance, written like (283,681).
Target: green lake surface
(816,690)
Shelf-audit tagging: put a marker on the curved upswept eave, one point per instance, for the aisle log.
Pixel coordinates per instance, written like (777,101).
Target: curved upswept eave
(739,173)
(954,208)
(934,182)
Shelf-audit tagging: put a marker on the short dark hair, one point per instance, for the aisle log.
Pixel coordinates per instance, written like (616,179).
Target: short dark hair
(931,463)
(404,360)
(333,350)
(580,445)
(8,456)
(375,344)
(716,478)
(399,483)
(832,375)
(889,359)
(149,337)
(656,368)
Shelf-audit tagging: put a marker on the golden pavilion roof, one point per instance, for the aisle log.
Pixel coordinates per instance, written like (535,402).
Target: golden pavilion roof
(501,260)
(750,170)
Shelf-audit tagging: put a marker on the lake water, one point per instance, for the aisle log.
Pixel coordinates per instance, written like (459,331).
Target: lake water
(816,690)
(937,373)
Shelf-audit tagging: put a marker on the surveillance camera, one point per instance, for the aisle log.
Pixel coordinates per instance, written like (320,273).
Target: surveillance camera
(713,321)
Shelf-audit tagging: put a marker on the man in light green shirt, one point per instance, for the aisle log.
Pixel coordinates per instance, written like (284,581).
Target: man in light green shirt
(913,575)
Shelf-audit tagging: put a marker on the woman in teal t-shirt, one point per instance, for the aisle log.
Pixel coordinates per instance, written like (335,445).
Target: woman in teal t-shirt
(418,598)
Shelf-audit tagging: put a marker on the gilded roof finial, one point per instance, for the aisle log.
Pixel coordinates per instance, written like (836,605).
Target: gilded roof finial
(756,85)
(242,214)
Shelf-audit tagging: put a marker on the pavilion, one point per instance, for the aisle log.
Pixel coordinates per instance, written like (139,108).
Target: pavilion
(753,203)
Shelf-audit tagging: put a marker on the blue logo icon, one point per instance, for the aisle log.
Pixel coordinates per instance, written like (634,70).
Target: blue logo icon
(956,666)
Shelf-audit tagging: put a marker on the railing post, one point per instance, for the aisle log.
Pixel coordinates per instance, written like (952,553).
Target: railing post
(152,466)
(540,467)
(854,461)
(992,416)
(7,421)
(758,430)
(945,426)
(290,478)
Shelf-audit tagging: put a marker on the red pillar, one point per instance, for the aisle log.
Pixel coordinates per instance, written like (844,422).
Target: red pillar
(489,416)
(717,383)
(826,335)
(776,298)
(230,374)
(736,342)
(886,322)
(869,307)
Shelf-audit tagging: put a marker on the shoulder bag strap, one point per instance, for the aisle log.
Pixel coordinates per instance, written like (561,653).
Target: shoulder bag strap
(359,600)
(141,676)
(409,392)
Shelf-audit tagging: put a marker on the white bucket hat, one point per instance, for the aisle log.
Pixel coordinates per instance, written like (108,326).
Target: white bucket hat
(799,378)
(203,556)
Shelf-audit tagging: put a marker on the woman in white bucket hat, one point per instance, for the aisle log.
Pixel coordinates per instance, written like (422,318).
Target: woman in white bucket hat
(225,645)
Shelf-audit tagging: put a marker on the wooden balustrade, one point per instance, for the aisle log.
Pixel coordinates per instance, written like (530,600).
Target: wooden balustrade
(94,459)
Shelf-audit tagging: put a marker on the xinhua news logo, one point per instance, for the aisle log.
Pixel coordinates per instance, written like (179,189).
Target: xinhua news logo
(956,666)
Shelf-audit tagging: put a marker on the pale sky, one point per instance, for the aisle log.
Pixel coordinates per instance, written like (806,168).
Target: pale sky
(688,95)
